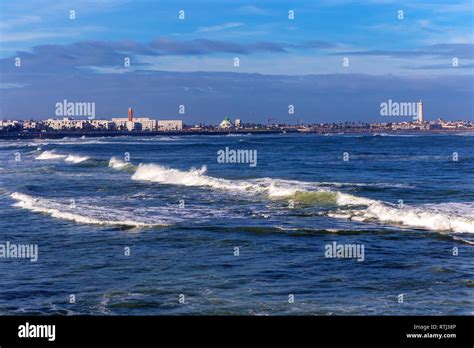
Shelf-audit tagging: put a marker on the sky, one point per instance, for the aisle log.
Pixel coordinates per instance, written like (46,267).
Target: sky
(334,60)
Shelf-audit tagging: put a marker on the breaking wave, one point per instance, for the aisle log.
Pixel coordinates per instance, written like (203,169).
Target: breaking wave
(51,155)
(273,188)
(361,209)
(430,217)
(76,159)
(65,211)
(117,163)
(48,155)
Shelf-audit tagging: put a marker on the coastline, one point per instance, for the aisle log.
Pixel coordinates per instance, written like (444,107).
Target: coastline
(95,134)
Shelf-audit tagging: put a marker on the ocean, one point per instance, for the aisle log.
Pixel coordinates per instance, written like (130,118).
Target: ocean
(161,226)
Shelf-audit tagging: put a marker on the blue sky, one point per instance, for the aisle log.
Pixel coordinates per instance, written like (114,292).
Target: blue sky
(282,61)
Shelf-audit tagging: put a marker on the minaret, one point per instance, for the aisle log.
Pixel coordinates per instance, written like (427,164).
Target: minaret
(420,113)
(130,114)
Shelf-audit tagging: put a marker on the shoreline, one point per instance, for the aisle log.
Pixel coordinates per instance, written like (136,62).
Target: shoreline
(96,134)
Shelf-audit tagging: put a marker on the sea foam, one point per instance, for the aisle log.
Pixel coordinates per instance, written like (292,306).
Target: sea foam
(274,188)
(429,217)
(64,211)
(117,163)
(48,155)
(350,207)
(76,159)
(51,155)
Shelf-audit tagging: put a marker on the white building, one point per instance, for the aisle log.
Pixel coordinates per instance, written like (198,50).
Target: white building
(226,123)
(137,123)
(132,125)
(147,124)
(102,124)
(29,124)
(65,123)
(120,122)
(4,124)
(170,125)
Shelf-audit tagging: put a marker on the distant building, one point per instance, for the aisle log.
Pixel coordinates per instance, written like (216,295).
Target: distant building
(133,126)
(120,123)
(170,125)
(124,123)
(138,123)
(146,123)
(102,124)
(226,123)
(6,124)
(420,113)
(237,122)
(134,123)
(65,123)
(29,124)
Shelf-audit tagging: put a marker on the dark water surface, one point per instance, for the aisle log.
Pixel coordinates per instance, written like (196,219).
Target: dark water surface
(402,198)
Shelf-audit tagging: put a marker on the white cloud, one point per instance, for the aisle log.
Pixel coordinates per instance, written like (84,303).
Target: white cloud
(20,21)
(220,27)
(252,9)
(292,64)
(7,85)
(109,69)
(41,35)
(38,35)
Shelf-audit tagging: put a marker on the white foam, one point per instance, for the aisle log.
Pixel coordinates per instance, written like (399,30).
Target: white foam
(76,159)
(116,163)
(49,155)
(66,212)
(274,188)
(193,177)
(441,217)
(347,199)
(357,184)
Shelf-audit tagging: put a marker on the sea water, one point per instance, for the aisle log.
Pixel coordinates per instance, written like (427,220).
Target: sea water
(159,226)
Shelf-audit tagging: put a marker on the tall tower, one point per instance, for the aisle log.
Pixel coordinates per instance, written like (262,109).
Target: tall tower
(130,114)
(420,113)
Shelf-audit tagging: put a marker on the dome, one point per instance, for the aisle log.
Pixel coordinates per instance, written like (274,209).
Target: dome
(226,123)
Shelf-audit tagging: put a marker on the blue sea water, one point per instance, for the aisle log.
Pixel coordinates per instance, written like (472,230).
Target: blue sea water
(183,216)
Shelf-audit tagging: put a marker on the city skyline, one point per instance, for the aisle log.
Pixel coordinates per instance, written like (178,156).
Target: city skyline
(297,58)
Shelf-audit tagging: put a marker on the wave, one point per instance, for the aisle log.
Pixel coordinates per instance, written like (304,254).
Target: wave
(48,155)
(193,177)
(76,159)
(238,134)
(463,240)
(62,210)
(395,135)
(119,164)
(428,217)
(368,185)
(51,155)
(273,188)
(349,206)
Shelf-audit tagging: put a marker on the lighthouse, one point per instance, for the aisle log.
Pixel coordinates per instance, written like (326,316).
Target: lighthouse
(130,114)
(420,113)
